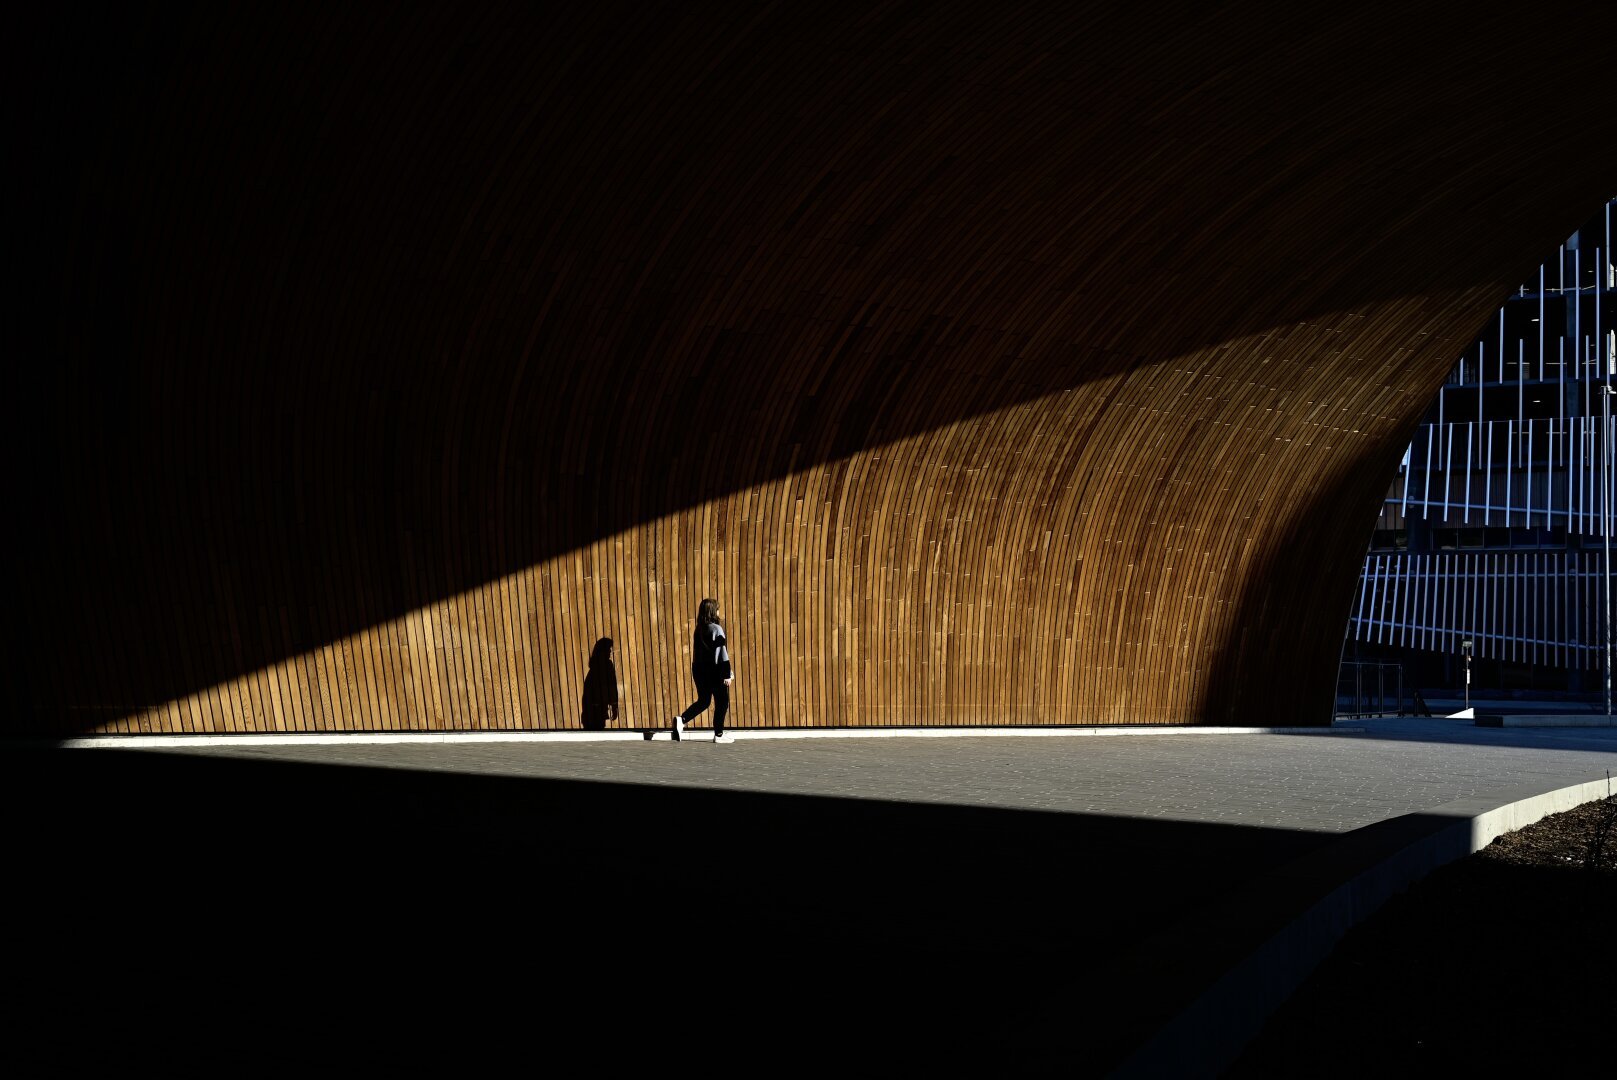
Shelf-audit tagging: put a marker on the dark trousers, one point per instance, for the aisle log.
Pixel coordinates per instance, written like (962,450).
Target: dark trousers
(717,695)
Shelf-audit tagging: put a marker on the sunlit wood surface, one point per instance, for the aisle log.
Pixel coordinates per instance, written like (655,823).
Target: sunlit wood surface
(991,363)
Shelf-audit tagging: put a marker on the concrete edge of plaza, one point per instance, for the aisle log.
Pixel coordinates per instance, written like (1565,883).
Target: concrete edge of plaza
(1343,726)
(1488,719)
(333,738)
(1351,879)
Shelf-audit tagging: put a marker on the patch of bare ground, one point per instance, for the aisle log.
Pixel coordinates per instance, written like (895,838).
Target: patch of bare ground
(1501,964)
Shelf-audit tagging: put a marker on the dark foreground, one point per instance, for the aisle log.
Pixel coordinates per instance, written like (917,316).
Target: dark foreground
(211,914)
(1501,964)
(199,912)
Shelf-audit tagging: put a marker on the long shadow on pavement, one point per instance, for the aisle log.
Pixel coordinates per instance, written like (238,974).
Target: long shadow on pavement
(205,908)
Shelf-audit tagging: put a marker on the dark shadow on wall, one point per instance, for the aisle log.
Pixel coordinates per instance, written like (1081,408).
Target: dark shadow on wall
(1295,603)
(342,315)
(451,918)
(598,702)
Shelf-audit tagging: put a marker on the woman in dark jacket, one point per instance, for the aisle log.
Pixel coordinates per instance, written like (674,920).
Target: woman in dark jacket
(710,667)
(600,688)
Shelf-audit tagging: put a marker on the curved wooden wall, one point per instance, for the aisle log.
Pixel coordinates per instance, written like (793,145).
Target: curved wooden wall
(1030,364)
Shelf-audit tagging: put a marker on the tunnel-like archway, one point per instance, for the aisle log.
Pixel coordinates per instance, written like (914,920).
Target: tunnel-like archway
(1027,364)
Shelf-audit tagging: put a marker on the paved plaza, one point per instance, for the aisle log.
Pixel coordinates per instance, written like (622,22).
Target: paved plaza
(1333,780)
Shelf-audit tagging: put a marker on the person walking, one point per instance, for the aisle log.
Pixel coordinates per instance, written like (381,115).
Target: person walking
(712,671)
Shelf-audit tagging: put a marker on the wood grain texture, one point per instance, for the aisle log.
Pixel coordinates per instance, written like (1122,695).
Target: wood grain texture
(992,364)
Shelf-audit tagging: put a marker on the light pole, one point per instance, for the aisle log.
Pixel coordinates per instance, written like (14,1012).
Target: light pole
(1605,508)
(1465,650)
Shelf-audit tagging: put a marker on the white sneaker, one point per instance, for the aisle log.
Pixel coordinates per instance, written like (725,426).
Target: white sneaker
(724,738)
(679,727)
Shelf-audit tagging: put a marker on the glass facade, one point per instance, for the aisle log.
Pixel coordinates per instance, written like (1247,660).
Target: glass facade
(1495,529)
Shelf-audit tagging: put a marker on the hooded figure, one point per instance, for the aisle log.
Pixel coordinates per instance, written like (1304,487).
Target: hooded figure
(600,688)
(712,672)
